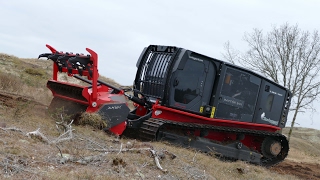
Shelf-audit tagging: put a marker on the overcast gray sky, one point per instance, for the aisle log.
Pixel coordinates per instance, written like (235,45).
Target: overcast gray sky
(119,30)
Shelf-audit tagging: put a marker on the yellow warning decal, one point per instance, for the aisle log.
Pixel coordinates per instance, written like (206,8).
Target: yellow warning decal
(201,109)
(212,112)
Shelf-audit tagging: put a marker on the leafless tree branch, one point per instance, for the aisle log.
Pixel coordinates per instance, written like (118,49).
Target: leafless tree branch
(288,56)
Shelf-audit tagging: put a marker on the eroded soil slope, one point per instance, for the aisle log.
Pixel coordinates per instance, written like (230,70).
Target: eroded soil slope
(20,106)
(303,170)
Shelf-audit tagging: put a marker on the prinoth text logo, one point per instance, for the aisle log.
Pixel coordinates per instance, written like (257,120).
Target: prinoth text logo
(196,59)
(264,118)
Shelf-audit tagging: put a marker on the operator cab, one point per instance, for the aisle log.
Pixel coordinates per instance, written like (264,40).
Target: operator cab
(188,81)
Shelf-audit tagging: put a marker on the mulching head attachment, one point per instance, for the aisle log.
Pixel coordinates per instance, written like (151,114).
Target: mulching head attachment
(99,97)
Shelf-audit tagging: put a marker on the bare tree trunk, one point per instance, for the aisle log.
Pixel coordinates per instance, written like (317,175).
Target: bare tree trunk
(292,124)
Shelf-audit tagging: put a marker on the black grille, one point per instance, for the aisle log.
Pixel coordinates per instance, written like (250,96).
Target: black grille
(153,71)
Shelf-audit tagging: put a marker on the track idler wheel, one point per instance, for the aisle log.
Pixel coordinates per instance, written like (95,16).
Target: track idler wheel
(271,147)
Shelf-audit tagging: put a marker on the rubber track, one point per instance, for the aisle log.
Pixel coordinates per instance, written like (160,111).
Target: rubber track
(150,127)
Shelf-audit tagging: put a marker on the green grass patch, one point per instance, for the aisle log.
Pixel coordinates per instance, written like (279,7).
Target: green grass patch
(35,72)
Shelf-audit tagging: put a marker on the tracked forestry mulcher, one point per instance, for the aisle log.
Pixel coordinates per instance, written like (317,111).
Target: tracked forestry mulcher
(184,98)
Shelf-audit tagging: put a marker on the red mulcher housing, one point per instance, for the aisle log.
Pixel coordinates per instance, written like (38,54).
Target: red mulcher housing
(184,98)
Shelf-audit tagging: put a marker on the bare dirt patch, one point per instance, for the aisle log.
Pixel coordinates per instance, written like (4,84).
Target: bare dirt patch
(303,170)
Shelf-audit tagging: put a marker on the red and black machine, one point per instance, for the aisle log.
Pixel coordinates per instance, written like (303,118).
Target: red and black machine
(184,98)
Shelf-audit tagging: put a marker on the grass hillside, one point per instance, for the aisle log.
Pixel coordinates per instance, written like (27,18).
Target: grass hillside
(64,151)
(305,145)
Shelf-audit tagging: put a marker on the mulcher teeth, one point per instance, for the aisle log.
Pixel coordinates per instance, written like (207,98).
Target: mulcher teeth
(71,62)
(44,55)
(81,62)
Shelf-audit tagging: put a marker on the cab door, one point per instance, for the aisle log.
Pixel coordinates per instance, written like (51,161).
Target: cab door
(191,84)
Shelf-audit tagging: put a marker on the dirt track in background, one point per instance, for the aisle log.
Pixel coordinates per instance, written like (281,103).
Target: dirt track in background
(302,170)
(12,100)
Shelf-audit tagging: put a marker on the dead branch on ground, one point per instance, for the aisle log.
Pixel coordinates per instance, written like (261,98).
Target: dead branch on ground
(67,135)
(82,160)
(37,134)
(13,164)
(154,153)
(11,129)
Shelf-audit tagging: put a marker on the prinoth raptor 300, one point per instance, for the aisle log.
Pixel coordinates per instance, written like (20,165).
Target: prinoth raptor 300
(184,98)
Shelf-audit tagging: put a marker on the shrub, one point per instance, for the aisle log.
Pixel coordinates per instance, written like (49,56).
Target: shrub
(35,72)
(9,82)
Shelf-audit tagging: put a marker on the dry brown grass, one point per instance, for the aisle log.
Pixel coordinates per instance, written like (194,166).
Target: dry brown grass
(42,161)
(304,145)
(92,119)
(22,157)
(10,83)
(19,76)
